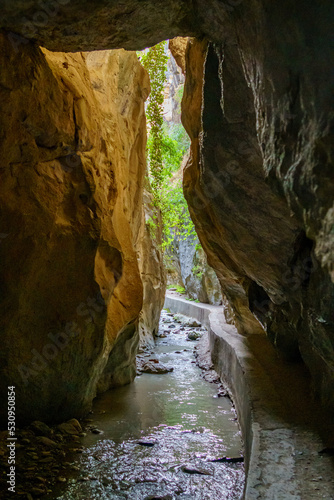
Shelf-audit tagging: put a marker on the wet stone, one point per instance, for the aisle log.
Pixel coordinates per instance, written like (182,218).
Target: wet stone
(95,430)
(155,368)
(231,460)
(193,323)
(162,335)
(195,469)
(40,428)
(37,491)
(194,335)
(159,497)
(49,443)
(71,427)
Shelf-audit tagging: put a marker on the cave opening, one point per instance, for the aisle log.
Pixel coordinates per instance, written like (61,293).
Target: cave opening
(76,259)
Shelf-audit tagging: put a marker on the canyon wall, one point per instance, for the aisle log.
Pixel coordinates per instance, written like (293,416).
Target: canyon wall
(152,270)
(72,170)
(187,266)
(260,205)
(258,107)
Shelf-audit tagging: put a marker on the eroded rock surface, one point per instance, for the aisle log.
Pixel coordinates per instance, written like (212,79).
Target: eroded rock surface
(263,247)
(152,272)
(189,267)
(72,171)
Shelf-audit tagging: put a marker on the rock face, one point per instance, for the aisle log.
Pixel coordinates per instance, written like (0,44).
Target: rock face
(152,272)
(248,214)
(199,278)
(173,87)
(260,181)
(188,267)
(72,171)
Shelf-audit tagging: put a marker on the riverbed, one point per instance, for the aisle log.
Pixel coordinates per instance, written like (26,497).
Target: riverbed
(158,435)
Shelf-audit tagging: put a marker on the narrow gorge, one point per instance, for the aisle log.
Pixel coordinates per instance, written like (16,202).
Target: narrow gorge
(83,277)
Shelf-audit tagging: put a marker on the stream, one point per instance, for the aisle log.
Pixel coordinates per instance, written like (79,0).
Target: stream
(181,425)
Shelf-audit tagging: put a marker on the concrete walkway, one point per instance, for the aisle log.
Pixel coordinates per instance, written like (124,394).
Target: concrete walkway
(283,428)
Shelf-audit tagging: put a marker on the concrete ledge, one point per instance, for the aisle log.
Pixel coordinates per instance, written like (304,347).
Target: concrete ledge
(281,426)
(259,413)
(199,311)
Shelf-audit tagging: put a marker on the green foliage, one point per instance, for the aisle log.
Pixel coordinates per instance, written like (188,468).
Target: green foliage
(197,271)
(151,224)
(175,214)
(155,62)
(178,97)
(177,133)
(166,146)
(178,288)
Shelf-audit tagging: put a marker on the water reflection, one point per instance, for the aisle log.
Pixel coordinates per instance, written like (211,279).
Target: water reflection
(179,413)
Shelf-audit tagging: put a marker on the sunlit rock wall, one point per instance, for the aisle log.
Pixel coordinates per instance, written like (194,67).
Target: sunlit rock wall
(152,271)
(72,155)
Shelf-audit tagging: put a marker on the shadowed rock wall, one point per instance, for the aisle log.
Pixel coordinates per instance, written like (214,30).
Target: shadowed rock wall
(255,155)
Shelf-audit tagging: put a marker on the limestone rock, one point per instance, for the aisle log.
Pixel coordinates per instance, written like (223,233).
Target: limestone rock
(199,279)
(152,272)
(178,47)
(40,428)
(72,171)
(70,427)
(73,25)
(155,368)
(48,443)
(261,250)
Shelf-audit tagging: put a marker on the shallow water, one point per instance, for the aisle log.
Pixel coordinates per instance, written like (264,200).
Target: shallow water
(179,413)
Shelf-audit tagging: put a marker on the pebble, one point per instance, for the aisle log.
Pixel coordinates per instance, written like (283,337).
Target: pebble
(37,491)
(193,469)
(46,460)
(194,335)
(47,442)
(71,427)
(40,428)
